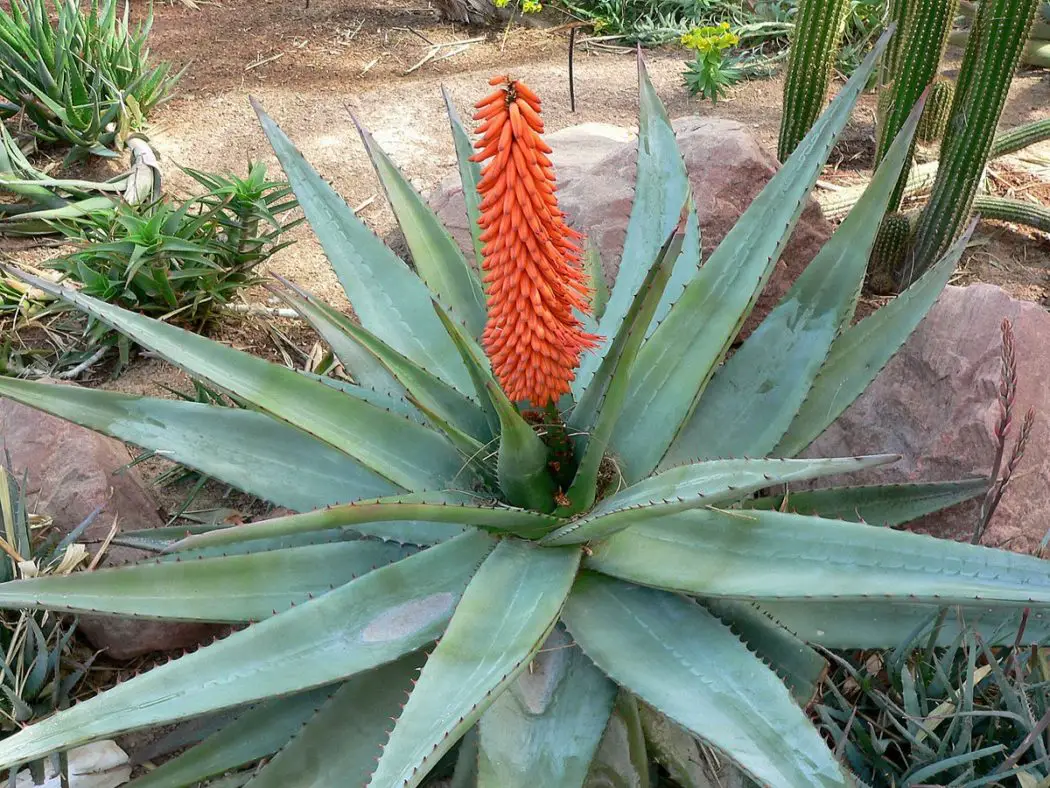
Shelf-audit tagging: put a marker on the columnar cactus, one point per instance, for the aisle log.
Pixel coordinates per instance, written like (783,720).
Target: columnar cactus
(891,245)
(935,114)
(992,52)
(818,33)
(922,38)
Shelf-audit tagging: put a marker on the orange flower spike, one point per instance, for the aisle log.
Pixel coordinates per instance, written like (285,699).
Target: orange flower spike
(533,275)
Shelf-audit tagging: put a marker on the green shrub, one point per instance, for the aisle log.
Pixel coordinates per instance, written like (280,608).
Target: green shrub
(80,72)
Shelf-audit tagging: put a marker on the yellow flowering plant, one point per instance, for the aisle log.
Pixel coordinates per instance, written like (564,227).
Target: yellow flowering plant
(709,74)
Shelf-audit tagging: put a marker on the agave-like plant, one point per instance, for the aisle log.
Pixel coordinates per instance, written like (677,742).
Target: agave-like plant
(538,582)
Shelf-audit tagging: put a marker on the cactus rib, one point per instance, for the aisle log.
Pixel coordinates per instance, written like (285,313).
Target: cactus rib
(818,33)
(992,53)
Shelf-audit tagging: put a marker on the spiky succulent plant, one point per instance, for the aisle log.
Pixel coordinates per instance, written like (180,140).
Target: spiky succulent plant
(443,583)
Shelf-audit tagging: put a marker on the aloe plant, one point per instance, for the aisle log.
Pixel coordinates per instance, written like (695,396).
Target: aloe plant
(439,584)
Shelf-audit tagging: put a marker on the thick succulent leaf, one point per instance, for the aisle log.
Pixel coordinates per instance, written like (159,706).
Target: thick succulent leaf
(361,625)
(622,759)
(478,368)
(505,614)
(756,554)
(680,659)
(544,729)
(436,256)
(678,359)
(888,624)
(795,336)
(497,518)
(592,265)
(469,174)
(256,733)
(883,504)
(801,668)
(704,484)
(340,745)
(864,349)
(661,188)
(363,366)
(259,545)
(372,436)
(233,588)
(288,467)
(599,411)
(428,392)
(394,402)
(388,298)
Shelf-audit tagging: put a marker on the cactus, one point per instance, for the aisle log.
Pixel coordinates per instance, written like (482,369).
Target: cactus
(1016,211)
(1019,138)
(934,119)
(891,244)
(814,45)
(923,37)
(992,52)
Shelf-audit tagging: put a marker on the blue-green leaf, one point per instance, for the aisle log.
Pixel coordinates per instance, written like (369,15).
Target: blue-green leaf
(361,625)
(864,349)
(436,256)
(288,467)
(684,662)
(661,188)
(469,174)
(544,729)
(677,361)
(769,376)
(505,614)
(388,299)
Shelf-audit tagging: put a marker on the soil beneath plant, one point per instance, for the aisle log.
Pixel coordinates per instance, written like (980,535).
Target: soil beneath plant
(311,64)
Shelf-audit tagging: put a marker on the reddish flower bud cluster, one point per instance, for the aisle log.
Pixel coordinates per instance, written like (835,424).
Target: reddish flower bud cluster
(533,276)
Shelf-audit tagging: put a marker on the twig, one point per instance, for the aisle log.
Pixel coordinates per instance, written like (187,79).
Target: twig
(259,309)
(258,63)
(572,76)
(368,66)
(365,204)
(83,366)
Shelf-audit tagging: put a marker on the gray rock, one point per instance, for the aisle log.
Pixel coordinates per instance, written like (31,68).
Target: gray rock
(71,472)
(935,403)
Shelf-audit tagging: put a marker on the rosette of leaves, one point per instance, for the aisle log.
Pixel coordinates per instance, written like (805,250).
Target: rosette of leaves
(416,597)
(710,74)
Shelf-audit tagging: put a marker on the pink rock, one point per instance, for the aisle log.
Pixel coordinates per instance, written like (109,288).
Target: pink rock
(935,403)
(72,471)
(727,167)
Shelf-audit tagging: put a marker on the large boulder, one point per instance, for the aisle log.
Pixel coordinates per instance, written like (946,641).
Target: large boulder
(935,404)
(595,165)
(72,471)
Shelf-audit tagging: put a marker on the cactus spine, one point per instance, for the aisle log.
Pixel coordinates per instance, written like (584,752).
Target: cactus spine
(814,46)
(934,120)
(891,245)
(924,29)
(996,40)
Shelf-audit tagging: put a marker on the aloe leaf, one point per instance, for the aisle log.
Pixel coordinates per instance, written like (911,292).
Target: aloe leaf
(506,613)
(885,625)
(684,662)
(498,518)
(289,467)
(883,504)
(598,412)
(394,402)
(428,392)
(544,729)
(362,365)
(661,188)
(801,668)
(257,733)
(369,434)
(436,256)
(796,335)
(361,625)
(388,298)
(592,265)
(677,361)
(469,175)
(864,349)
(478,368)
(704,484)
(755,554)
(340,745)
(251,587)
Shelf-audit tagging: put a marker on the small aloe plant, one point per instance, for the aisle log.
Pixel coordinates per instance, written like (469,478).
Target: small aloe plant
(524,589)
